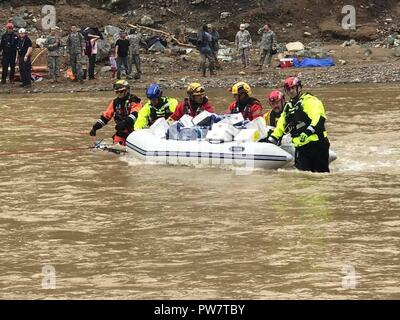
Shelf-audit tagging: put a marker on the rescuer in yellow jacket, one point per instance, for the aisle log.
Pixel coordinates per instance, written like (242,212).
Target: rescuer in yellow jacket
(157,107)
(304,118)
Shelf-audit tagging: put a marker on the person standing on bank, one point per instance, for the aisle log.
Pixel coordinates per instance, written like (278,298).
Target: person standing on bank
(53,45)
(304,118)
(214,45)
(135,40)
(204,44)
(24,52)
(121,55)
(93,52)
(76,49)
(243,44)
(267,45)
(8,45)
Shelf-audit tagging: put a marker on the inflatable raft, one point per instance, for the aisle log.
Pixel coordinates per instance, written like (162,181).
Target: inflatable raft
(144,145)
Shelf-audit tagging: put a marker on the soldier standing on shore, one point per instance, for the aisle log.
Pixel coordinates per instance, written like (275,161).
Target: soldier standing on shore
(268,43)
(243,44)
(53,45)
(135,40)
(75,49)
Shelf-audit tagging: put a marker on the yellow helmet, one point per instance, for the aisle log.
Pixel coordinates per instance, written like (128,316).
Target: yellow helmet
(195,89)
(240,87)
(120,85)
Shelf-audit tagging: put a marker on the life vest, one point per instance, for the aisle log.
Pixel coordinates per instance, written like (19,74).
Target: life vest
(162,110)
(187,107)
(122,107)
(273,118)
(245,110)
(297,120)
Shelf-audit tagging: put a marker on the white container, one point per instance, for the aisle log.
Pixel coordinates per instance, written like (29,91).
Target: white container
(186,121)
(202,118)
(159,128)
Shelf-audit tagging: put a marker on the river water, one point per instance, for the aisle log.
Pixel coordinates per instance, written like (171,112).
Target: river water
(91,225)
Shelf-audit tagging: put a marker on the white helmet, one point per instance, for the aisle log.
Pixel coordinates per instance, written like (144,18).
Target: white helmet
(22,30)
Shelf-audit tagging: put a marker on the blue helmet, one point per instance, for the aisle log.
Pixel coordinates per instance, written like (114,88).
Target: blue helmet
(154,91)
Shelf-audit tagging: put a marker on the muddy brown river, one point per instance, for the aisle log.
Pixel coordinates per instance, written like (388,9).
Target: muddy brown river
(83,224)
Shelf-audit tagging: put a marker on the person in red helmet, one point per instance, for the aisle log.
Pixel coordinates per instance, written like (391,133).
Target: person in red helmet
(8,45)
(276,100)
(304,118)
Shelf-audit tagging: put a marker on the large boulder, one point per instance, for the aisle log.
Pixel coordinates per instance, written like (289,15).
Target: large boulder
(111,30)
(19,22)
(103,49)
(295,46)
(146,21)
(397,51)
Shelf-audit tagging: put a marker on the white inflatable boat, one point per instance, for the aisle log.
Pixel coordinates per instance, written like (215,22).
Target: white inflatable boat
(144,145)
(223,145)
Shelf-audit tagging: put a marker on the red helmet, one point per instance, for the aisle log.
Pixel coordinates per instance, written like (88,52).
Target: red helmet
(291,82)
(9,25)
(275,95)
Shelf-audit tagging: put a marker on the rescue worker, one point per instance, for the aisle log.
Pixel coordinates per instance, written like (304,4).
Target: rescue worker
(124,108)
(244,103)
(53,45)
(276,100)
(24,53)
(158,106)
(76,50)
(8,45)
(196,102)
(243,44)
(304,118)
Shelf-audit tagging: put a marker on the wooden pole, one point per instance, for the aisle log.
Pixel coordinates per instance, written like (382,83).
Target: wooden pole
(164,33)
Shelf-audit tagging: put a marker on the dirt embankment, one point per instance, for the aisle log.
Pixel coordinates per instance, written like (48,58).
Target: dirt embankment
(290,20)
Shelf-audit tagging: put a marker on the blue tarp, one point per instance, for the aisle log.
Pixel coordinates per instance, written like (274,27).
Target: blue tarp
(313,62)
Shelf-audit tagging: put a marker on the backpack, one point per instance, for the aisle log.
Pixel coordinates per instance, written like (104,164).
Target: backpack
(88,48)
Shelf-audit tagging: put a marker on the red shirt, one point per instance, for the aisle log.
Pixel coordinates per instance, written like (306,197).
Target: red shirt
(181,109)
(252,111)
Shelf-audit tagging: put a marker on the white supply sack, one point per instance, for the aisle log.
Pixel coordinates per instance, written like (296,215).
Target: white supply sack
(186,121)
(222,132)
(248,135)
(159,128)
(233,119)
(260,125)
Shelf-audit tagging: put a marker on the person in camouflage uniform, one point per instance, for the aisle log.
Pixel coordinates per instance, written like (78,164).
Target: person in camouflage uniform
(136,40)
(243,43)
(53,46)
(268,43)
(75,49)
